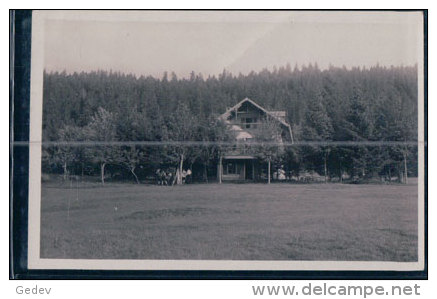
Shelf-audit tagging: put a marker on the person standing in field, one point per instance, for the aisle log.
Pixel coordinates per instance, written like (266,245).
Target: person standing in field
(158,176)
(184,176)
(188,176)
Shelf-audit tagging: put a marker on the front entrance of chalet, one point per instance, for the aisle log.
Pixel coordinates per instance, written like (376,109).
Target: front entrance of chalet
(237,168)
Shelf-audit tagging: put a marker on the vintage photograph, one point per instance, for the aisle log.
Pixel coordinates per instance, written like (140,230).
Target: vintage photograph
(245,136)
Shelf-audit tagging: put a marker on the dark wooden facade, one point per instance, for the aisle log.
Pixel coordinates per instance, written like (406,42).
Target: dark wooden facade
(238,163)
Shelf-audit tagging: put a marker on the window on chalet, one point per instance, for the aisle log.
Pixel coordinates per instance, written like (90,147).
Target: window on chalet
(248,122)
(231,168)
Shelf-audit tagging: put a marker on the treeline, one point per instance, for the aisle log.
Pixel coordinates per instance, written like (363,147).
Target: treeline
(338,104)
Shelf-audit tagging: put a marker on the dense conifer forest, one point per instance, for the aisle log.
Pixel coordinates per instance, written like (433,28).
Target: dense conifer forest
(367,108)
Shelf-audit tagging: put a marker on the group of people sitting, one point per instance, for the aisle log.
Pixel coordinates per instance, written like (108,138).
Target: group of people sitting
(280,174)
(169,177)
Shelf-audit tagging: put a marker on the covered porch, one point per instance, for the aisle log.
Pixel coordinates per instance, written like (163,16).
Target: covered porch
(236,168)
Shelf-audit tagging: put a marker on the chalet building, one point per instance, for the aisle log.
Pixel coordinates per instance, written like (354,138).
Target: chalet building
(245,120)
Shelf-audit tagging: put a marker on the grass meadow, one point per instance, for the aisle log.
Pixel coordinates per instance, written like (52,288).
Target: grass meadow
(230,221)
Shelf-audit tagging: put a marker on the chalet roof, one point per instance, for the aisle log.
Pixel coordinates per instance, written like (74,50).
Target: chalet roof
(240,133)
(277,115)
(243,135)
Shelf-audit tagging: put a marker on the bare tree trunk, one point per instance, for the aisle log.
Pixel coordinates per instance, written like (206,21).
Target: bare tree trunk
(179,172)
(64,166)
(341,174)
(102,172)
(268,173)
(220,170)
(205,173)
(389,173)
(405,169)
(132,170)
(177,179)
(326,170)
(400,173)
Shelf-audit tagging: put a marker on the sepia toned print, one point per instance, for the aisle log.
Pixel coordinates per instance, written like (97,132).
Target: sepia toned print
(227,140)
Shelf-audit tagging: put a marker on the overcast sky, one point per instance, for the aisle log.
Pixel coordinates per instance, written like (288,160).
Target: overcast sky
(149,43)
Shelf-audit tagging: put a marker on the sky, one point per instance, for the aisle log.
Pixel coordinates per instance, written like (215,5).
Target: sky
(152,42)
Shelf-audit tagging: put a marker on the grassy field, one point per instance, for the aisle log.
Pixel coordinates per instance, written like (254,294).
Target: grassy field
(231,221)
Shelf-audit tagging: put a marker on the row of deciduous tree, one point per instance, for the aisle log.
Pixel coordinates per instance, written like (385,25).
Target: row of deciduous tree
(358,105)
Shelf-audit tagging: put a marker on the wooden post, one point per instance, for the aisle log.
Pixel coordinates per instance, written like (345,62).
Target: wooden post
(326,171)
(220,170)
(102,173)
(389,173)
(268,173)
(341,174)
(405,168)
(205,172)
(65,171)
(400,173)
(253,170)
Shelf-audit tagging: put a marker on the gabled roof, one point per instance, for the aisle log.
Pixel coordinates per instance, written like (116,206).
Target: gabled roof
(277,115)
